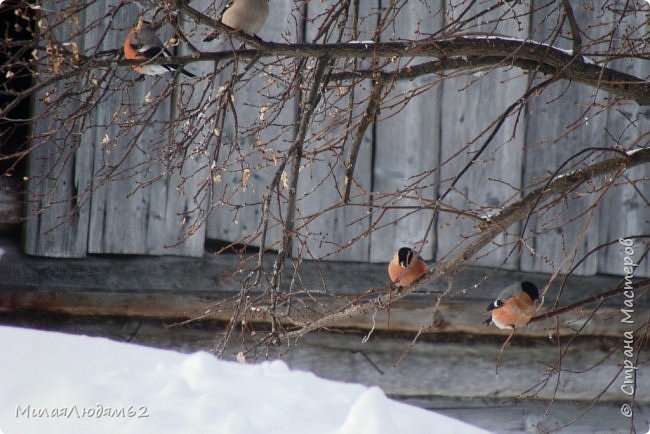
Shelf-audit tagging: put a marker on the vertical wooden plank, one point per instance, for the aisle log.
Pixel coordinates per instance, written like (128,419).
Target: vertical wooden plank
(470,104)
(254,140)
(562,121)
(136,199)
(326,227)
(57,172)
(625,210)
(407,145)
(59,167)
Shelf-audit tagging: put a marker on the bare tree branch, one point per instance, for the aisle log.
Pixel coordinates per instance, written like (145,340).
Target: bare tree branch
(573,24)
(374,101)
(499,223)
(468,51)
(643,285)
(308,108)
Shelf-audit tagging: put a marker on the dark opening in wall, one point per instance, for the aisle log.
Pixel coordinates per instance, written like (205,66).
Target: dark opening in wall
(16,28)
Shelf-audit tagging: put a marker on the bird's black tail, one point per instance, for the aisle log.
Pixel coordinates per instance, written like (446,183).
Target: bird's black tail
(187,73)
(172,68)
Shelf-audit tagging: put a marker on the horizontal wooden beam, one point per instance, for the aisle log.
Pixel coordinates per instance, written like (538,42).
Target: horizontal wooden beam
(407,315)
(175,288)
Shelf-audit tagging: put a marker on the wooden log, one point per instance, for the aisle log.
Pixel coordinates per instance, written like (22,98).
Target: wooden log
(452,316)
(516,417)
(467,369)
(454,377)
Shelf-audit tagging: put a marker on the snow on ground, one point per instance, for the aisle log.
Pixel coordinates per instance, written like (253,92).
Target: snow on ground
(58,383)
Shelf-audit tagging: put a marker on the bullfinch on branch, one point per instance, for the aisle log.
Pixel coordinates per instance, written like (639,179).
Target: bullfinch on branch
(514,307)
(142,43)
(406,267)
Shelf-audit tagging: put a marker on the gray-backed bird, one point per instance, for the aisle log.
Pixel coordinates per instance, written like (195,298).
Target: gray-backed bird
(247,16)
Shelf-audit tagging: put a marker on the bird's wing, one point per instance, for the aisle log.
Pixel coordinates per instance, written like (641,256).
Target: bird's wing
(510,291)
(150,51)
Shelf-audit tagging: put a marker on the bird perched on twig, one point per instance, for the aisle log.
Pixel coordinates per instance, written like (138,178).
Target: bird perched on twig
(514,306)
(142,43)
(406,267)
(247,16)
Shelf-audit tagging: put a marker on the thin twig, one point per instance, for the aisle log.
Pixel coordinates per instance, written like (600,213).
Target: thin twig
(368,118)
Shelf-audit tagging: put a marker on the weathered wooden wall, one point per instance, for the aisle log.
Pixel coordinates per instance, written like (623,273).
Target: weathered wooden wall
(127,215)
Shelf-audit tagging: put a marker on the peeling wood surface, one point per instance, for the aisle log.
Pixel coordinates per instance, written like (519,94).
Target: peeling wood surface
(338,232)
(626,213)
(56,173)
(124,217)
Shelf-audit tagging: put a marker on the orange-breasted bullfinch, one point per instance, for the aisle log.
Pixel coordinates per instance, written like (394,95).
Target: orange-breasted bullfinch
(142,43)
(247,16)
(514,307)
(406,267)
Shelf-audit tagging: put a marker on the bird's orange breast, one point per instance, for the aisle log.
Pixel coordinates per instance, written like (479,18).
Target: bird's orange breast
(516,312)
(129,51)
(403,277)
